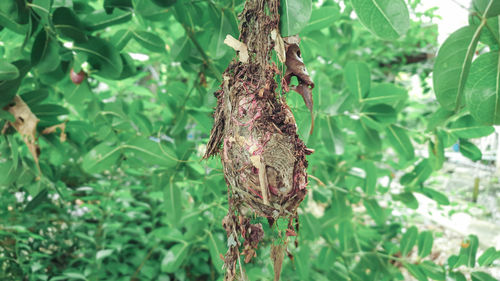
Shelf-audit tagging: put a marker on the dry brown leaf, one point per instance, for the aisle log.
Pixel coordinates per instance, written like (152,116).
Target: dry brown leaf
(25,124)
(277,255)
(52,129)
(237,46)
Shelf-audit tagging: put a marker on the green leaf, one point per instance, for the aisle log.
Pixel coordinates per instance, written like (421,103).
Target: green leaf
(482,276)
(173,203)
(418,175)
(457,276)
(400,142)
(468,251)
(37,200)
(294,15)
(435,195)
(8,71)
(470,150)
(44,111)
(67,23)
(375,211)
(438,118)
(8,88)
(222,27)
(121,38)
(7,19)
(407,198)
(45,53)
(164,3)
(149,40)
(34,97)
(433,271)
(102,56)
(370,178)
(436,152)
(488,8)
(5,115)
(488,257)
(357,78)
(452,66)
(216,249)
(151,152)
(482,90)
(369,137)
(102,157)
(174,258)
(425,242)
(408,240)
(382,113)
(385,93)
(100,19)
(416,271)
(322,18)
(388,19)
(466,127)
(102,254)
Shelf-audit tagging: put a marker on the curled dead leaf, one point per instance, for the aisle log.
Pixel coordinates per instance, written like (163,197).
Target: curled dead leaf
(25,123)
(52,129)
(237,46)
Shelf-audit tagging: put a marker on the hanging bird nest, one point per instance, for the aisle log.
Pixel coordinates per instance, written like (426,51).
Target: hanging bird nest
(263,157)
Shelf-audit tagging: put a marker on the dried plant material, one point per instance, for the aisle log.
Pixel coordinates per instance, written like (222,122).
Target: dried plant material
(255,134)
(277,255)
(25,123)
(296,67)
(237,46)
(52,129)
(279,46)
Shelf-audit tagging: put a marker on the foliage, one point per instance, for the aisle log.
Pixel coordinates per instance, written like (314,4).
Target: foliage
(118,191)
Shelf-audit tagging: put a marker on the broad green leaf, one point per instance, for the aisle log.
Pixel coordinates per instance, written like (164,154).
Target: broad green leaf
(217,250)
(120,4)
(7,19)
(436,152)
(151,152)
(37,200)
(385,93)
(433,271)
(408,199)
(468,128)
(488,257)
(357,78)
(149,10)
(294,15)
(8,88)
(457,276)
(388,19)
(102,56)
(102,254)
(181,49)
(223,27)
(482,276)
(43,9)
(470,150)
(149,40)
(425,242)
(382,113)
(333,138)
(435,195)
(121,38)
(483,89)
(438,118)
(34,97)
(174,258)
(369,138)
(67,23)
(45,53)
(400,142)
(452,66)
(370,178)
(375,211)
(322,18)
(416,271)
(172,199)
(44,111)
(102,157)
(8,71)
(100,19)
(488,8)
(5,115)
(418,175)
(468,251)
(164,3)
(408,240)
